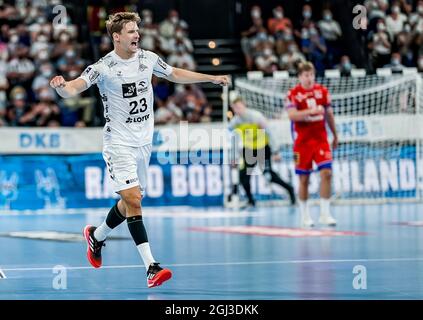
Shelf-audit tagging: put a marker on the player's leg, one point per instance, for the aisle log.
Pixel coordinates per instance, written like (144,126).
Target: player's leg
(324,163)
(246,167)
(303,168)
(96,236)
(132,199)
(273,177)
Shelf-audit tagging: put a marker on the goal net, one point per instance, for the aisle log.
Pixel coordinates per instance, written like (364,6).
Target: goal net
(378,120)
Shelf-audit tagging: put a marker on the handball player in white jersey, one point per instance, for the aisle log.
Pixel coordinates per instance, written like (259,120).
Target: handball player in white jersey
(123,78)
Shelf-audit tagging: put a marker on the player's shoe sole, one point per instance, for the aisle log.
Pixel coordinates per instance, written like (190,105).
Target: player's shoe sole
(159,278)
(92,261)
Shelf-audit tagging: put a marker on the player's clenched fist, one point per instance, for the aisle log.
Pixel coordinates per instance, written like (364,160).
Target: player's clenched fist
(222,80)
(57,82)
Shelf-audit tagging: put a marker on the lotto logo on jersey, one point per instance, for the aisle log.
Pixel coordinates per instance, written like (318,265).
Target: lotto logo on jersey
(129,90)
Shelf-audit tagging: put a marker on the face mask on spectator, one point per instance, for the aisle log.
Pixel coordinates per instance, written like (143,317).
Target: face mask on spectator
(14,38)
(33,13)
(45,94)
(267,52)
(179,34)
(395,61)
(256,13)
(346,65)
(407,28)
(43,55)
(41,20)
(292,48)
(262,35)
(307,14)
(73,74)
(328,16)
(420,9)
(191,105)
(305,34)
(148,20)
(174,19)
(287,36)
(313,32)
(70,54)
(47,73)
(381,27)
(278,14)
(396,9)
(64,37)
(42,38)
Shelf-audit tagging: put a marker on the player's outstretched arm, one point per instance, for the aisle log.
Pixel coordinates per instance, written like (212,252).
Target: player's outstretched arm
(67,89)
(185,76)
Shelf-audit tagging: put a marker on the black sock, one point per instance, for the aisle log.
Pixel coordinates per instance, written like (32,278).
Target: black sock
(137,229)
(114,218)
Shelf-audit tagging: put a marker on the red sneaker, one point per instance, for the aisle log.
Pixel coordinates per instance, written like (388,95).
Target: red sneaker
(157,275)
(93,247)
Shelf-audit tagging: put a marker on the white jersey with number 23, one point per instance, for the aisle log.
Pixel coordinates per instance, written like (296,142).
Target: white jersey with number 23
(127,95)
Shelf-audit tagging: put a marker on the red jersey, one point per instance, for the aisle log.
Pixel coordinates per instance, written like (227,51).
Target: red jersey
(313,127)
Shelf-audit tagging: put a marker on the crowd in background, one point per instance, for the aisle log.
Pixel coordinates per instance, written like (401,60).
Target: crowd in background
(33,50)
(392,37)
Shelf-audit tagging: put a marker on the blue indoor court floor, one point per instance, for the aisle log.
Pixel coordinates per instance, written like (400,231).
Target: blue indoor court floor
(375,252)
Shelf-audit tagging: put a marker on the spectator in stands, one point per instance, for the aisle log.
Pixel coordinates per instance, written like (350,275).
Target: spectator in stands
(246,40)
(105,45)
(41,113)
(41,43)
(183,91)
(181,59)
(395,21)
(267,61)
(332,33)
(317,51)
(18,107)
(306,21)
(417,16)
(168,27)
(180,41)
(290,60)
(395,64)
(42,80)
(380,46)
(260,41)
(20,69)
(277,27)
(345,66)
(376,9)
(167,113)
(70,65)
(149,32)
(4,84)
(406,6)
(63,45)
(403,45)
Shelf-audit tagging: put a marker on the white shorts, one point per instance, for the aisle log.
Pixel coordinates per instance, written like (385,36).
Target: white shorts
(127,166)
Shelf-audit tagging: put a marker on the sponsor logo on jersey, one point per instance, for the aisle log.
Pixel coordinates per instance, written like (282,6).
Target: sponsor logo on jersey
(94,75)
(88,70)
(131,180)
(142,86)
(119,73)
(104,97)
(129,90)
(111,64)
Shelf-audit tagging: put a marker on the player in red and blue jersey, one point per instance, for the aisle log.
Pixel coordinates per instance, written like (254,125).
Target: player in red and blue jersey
(309,108)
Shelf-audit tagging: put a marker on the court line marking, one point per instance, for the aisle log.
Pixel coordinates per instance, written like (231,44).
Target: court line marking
(226,264)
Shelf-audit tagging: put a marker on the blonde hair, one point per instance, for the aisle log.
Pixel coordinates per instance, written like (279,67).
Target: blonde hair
(305,66)
(117,21)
